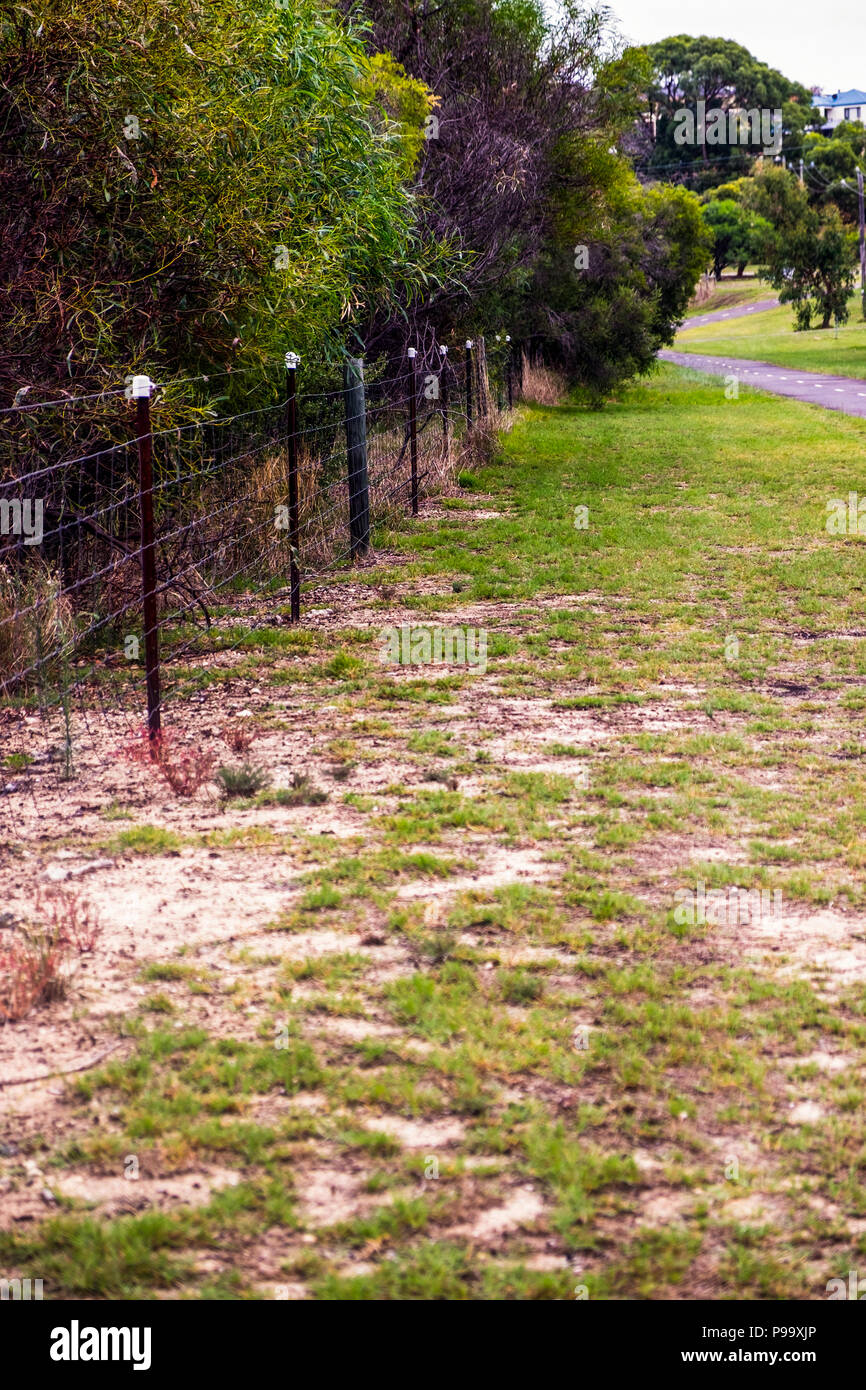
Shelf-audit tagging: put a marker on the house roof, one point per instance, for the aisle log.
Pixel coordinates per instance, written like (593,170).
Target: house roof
(852,98)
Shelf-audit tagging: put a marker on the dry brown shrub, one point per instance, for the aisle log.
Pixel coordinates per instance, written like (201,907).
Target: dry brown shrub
(238,736)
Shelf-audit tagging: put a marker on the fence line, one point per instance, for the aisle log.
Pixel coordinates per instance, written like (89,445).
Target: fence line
(136,547)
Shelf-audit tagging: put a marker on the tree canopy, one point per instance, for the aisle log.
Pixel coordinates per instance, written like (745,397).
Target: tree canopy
(725,76)
(809,257)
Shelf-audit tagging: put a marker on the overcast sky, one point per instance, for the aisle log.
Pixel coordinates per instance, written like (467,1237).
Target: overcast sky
(811,43)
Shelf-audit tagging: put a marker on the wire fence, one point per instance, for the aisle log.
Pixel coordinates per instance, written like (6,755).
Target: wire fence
(139,544)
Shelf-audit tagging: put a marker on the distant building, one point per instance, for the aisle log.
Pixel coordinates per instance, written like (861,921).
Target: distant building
(836,107)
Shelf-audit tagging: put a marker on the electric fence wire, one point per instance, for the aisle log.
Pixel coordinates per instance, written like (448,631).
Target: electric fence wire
(63,613)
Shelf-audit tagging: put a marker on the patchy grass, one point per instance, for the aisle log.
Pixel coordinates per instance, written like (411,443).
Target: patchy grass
(491,1046)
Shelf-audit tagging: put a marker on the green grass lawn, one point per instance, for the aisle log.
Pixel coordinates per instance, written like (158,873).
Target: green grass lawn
(603,1095)
(770,337)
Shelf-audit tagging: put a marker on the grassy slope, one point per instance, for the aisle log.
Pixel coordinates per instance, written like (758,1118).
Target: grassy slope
(697,533)
(730,293)
(770,337)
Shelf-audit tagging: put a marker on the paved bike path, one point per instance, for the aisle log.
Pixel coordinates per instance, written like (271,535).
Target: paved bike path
(844,393)
(739,312)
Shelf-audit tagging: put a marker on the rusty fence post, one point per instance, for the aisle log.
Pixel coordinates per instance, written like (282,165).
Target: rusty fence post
(292,360)
(413,426)
(141,389)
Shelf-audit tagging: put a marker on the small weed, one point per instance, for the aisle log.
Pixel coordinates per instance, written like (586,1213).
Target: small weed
(243,780)
(238,736)
(317,899)
(35,965)
(341,772)
(184,769)
(17,762)
(158,1004)
(301,792)
(519,986)
(146,839)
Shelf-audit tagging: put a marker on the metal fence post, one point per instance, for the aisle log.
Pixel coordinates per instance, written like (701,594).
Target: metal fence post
(413,426)
(468,383)
(508,377)
(356,447)
(292,360)
(443,396)
(141,388)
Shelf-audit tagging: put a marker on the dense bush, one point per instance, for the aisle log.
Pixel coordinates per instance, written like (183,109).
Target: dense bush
(189,184)
(196,185)
(527,166)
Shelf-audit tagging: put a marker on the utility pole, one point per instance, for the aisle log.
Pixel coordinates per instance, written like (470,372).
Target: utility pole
(801,174)
(862,241)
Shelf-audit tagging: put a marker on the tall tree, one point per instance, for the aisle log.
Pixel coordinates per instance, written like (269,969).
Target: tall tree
(735,232)
(724,76)
(809,257)
(511,86)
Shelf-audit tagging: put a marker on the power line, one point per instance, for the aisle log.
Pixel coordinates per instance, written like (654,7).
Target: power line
(706,164)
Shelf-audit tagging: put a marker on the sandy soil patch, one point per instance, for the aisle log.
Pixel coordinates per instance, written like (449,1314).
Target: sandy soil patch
(417,1134)
(521,1211)
(826,947)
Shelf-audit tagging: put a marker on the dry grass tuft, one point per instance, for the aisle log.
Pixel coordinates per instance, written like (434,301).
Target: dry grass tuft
(543,385)
(36,624)
(36,962)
